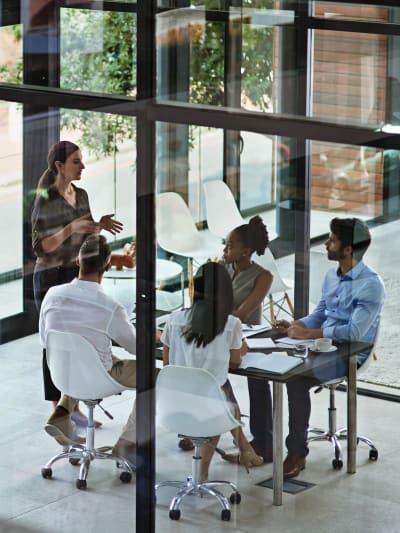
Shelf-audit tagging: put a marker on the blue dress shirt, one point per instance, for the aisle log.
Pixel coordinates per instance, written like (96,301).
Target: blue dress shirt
(350,306)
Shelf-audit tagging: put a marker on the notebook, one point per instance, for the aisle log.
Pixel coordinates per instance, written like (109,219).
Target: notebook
(252,329)
(262,343)
(275,362)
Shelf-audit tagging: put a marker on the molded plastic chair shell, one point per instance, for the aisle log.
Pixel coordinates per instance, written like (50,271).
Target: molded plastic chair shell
(223,214)
(279,287)
(190,402)
(76,368)
(177,233)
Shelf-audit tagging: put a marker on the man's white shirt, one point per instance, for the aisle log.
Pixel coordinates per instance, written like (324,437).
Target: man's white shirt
(82,307)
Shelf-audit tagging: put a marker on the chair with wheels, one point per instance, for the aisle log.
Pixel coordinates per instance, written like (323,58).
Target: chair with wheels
(334,434)
(191,403)
(76,370)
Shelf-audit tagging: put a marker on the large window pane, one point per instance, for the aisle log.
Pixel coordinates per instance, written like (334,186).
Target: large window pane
(11,209)
(98,51)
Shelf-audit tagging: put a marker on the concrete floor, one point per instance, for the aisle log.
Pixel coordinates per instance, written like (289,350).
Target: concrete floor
(365,502)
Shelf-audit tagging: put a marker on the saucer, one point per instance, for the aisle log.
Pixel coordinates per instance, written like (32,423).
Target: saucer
(331,349)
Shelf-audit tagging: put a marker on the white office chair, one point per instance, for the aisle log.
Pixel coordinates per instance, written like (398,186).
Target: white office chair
(177,233)
(222,212)
(334,434)
(76,370)
(278,298)
(191,403)
(223,216)
(319,265)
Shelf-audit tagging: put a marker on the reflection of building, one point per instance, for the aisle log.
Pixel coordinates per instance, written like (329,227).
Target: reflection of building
(41,12)
(350,76)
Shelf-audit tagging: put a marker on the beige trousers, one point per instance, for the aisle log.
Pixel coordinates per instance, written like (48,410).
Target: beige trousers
(123,371)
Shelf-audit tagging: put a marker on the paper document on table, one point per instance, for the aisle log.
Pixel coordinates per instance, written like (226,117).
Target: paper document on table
(260,344)
(275,362)
(252,329)
(287,341)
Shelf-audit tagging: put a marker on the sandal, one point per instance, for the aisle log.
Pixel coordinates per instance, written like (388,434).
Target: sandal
(186,445)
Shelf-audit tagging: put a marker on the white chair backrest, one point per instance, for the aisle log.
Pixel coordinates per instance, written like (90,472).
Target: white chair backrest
(319,266)
(267,261)
(176,230)
(223,215)
(190,402)
(76,369)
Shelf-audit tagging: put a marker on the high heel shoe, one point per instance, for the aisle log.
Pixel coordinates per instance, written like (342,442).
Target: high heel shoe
(249,458)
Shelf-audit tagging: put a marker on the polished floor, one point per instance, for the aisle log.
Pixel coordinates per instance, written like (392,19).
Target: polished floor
(367,501)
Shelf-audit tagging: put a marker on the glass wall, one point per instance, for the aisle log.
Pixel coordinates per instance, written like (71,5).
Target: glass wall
(291,106)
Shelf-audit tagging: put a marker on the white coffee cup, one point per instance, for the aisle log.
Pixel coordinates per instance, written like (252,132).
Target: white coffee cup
(322,345)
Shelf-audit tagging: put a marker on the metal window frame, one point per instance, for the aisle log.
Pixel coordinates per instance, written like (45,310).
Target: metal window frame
(148,112)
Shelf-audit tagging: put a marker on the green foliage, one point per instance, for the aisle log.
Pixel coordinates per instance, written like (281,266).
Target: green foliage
(12,73)
(98,55)
(207,58)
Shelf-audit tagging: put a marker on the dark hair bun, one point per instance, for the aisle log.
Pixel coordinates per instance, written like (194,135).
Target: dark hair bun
(258,235)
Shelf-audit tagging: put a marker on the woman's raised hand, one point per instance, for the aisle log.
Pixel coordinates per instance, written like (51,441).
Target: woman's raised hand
(109,224)
(85,224)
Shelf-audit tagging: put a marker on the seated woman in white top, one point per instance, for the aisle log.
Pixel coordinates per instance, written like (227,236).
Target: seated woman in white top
(208,336)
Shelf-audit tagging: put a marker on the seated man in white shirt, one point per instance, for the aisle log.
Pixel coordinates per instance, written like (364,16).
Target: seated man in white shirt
(83,307)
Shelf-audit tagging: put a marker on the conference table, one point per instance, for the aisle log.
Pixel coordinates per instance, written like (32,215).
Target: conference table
(311,366)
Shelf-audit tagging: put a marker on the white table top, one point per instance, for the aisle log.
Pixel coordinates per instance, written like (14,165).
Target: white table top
(165,270)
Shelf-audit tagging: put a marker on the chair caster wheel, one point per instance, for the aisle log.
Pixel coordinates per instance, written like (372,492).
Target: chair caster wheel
(125,477)
(73,461)
(337,464)
(175,514)
(235,497)
(47,473)
(225,515)
(81,484)
(373,455)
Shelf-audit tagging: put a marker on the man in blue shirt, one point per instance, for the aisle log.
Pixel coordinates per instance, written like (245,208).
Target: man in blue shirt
(349,310)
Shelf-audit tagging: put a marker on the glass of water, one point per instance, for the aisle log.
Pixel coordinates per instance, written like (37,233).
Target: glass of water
(300,350)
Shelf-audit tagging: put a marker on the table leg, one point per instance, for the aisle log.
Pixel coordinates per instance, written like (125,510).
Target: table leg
(190,279)
(352,416)
(278,443)
(183,289)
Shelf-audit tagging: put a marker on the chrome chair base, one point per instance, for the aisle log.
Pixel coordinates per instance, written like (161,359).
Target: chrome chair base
(193,486)
(83,455)
(334,435)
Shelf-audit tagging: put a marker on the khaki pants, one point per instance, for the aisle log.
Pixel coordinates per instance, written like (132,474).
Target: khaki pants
(123,371)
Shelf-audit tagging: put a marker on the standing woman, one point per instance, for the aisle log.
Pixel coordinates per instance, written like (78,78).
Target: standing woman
(208,336)
(251,283)
(61,220)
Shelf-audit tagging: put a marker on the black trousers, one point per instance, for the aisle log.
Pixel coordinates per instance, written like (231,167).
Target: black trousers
(260,412)
(43,279)
(299,402)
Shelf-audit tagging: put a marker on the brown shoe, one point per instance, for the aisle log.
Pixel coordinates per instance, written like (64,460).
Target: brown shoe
(60,427)
(125,449)
(186,445)
(293,465)
(266,453)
